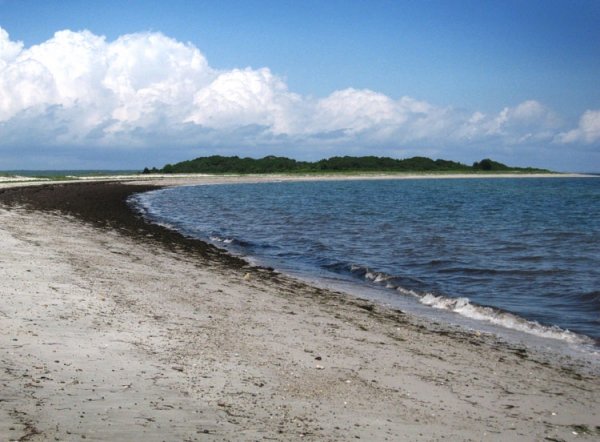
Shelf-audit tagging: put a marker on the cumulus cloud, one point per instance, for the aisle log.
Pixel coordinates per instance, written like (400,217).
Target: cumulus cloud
(527,122)
(353,111)
(245,97)
(587,132)
(146,89)
(8,49)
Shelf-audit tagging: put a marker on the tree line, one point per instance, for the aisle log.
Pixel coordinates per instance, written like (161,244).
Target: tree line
(217,164)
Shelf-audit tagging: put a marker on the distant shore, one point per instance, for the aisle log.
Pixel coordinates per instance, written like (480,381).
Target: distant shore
(193,179)
(117,329)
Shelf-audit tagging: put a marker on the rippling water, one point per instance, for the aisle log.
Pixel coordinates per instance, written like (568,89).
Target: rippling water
(523,253)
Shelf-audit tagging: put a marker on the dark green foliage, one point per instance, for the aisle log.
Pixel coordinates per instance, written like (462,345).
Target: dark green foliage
(220,164)
(217,164)
(147,171)
(385,164)
(488,164)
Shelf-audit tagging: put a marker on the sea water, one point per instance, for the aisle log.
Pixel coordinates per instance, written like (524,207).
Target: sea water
(520,253)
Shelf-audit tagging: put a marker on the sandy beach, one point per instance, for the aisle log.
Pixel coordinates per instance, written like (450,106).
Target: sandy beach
(115,329)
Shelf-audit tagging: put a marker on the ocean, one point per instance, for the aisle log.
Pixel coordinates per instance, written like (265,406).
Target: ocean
(518,253)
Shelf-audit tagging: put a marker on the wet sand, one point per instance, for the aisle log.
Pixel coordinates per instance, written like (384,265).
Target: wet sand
(114,329)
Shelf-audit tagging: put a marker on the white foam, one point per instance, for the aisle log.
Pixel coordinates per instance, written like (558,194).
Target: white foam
(18,178)
(404,291)
(222,240)
(463,307)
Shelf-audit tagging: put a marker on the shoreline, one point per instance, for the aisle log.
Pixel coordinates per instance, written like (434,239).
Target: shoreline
(78,201)
(533,334)
(331,366)
(199,178)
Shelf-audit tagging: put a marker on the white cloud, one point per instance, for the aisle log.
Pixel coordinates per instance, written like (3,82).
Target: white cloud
(149,76)
(148,90)
(353,111)
(587,132)
(245,97)
(527,122)
(8,49)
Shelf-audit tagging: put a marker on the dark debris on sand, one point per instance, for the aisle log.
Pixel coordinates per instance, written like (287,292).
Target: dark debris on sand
(105,205)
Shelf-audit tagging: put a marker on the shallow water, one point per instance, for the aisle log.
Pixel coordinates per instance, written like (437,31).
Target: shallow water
(521,253)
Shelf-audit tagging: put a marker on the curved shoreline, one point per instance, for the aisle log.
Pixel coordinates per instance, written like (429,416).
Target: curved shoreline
(107,319)
(80,199)
(508,325)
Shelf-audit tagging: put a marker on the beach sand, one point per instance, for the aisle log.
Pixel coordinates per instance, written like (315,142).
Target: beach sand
(114,329)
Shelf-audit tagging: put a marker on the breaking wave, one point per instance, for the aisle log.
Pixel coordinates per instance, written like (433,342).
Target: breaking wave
(462,305)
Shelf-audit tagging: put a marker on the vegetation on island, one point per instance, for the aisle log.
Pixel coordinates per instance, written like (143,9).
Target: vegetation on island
(217,164)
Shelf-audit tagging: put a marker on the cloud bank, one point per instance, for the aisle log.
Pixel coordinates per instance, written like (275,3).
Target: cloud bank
(145,90)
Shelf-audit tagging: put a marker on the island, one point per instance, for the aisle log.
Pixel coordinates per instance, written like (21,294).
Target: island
(217,164)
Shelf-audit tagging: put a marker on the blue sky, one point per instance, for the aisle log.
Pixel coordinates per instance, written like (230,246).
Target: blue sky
(513,80)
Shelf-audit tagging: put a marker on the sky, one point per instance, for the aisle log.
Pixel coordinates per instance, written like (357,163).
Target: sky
(125,85)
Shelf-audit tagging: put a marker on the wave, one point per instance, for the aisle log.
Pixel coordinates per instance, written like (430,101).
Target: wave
(222,240)
(382,278)
(228,241)
(463,306)
(591,297)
